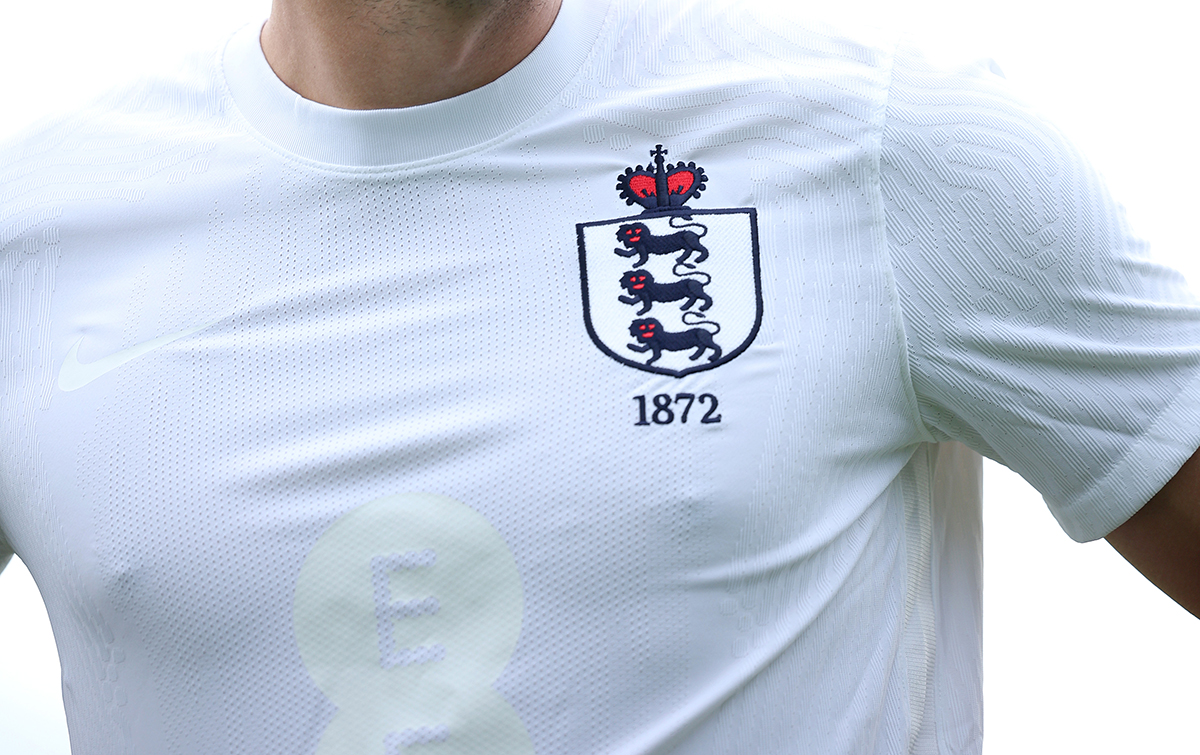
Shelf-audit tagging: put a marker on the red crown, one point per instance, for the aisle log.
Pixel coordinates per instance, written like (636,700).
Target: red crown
(663,188)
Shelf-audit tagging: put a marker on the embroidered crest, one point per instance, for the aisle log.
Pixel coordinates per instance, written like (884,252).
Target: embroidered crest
(681,291)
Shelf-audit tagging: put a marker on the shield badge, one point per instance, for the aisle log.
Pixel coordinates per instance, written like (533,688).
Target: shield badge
(674,290)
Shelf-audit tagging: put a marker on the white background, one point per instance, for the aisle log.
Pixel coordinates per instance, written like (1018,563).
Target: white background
(1081,654)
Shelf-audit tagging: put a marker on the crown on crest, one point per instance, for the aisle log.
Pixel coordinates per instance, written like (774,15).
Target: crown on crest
(661,187)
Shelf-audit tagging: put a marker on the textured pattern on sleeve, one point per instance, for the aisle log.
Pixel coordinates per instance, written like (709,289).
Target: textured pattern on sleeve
(1040,332)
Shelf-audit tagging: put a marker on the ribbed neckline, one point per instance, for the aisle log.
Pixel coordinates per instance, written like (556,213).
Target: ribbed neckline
(369,138)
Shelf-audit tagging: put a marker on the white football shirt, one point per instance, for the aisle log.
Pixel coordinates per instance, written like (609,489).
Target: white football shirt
(342,432)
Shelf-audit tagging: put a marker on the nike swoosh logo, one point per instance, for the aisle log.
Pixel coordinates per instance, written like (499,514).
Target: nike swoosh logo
(75,374)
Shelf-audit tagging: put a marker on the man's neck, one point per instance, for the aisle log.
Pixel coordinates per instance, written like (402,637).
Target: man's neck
(370,54)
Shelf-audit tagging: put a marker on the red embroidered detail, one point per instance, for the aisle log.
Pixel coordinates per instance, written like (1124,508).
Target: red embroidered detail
(679,182)
(661,187)
(642,185)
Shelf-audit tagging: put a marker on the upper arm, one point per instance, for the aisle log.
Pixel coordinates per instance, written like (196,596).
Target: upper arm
(6,552)
(1162,540)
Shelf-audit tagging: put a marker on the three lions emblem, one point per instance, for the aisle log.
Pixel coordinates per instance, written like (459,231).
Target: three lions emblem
(681,292)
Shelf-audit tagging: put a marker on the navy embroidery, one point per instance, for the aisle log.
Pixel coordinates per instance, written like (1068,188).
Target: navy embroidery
(653,337)
(644,290)
(663,414)
(640,242)
(667,187)
(664,257)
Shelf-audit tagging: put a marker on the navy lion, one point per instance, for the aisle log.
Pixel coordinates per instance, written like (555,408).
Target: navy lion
(652,336)
(641,243)
(642,288)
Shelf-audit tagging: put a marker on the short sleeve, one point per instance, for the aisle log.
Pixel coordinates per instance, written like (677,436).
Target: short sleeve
(1039,330)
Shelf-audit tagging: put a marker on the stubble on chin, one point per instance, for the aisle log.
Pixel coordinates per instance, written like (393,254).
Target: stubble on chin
(416,16)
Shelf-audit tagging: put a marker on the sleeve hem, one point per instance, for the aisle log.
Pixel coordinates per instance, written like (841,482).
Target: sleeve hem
(1153,459)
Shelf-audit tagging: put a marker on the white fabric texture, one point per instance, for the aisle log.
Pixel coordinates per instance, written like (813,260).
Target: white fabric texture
(1029,305)
(356,473)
